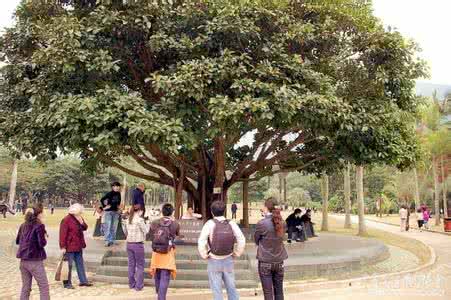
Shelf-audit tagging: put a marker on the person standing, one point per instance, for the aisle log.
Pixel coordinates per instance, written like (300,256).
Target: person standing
(110,204)
(234,209)
(52,208)
(72,243)
(419,215)
(426,217)
(403,217)
(271,252)
(293,223)
(138,197)
(216,244)
(18,206)
(162,264)
(136,230)
(31,240)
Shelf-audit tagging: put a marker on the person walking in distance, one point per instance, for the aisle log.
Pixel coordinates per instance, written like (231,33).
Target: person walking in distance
(420,220)
(162,264)
(271,252)
(403,217)
(31,240)
(216,244)
(234,209)
(110,204)
(72,242)
(136,230)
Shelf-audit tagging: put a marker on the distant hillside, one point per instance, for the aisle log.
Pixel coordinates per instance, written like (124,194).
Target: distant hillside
(427,89)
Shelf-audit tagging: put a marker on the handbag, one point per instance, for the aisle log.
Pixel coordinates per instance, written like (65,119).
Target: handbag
(62,269)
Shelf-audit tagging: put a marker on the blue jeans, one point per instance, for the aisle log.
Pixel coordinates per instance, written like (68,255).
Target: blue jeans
(221,270)
(111,223)
(77,257)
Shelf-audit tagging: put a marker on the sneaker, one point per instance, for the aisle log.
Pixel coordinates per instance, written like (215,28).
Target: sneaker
(298,241)
(289,241)
(85,284)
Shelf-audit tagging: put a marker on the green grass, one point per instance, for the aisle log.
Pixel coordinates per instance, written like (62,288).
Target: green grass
(50,221)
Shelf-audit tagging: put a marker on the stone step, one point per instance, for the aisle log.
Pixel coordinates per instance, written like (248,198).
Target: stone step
(181,263)
(182,274)
(179,255)
(188,284)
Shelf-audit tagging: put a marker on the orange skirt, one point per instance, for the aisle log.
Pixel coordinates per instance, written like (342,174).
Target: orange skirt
(163,261)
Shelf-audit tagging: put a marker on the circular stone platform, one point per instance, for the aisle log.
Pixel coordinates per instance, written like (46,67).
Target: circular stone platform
(326,255)
(329,254)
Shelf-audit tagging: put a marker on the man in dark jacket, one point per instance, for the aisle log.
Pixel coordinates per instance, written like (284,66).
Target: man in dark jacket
(138,197)
(110,204)
(294,225)
(306,220)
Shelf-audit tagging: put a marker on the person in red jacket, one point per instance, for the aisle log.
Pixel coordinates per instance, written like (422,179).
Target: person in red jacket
(72,243)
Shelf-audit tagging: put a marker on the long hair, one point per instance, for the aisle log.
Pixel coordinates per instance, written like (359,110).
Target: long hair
(131,213)
(31,215)
(271,205)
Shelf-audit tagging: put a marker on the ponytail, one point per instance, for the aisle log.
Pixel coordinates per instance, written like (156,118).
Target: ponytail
(31,214)
(271,205)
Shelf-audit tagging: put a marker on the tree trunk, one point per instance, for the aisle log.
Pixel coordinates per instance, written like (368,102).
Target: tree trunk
(284,189)
(417,189)
(444,188)
(280,187)
(13,184)
(347,192)
(245,203)
(124,191)
(436,191)
(325,194)
(179,195)
(361,204)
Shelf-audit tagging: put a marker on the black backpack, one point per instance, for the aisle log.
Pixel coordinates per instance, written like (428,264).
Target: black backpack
(162,238)
(223,238)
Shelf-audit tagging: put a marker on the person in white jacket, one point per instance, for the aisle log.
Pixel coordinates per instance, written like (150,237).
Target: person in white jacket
(136,229)
(216,243)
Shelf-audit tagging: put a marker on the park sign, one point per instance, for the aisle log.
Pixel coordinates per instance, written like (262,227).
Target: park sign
(189,231)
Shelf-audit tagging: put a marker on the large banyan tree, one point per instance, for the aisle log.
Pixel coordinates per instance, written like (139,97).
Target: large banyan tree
(205,94)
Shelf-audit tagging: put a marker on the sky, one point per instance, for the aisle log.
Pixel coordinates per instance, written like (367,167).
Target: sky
(427,22)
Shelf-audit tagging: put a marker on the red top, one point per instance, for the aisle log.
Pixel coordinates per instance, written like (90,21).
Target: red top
(71,234)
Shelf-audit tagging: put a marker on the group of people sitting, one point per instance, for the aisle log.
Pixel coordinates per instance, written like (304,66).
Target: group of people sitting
(300,226)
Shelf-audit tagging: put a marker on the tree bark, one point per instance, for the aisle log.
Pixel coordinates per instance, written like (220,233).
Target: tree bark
(360,202)
(123,192)
(436,191)
(444,188)
(13,184)
(246,203)
(417,189)
(179,194)
(325,194)
(284,189)
(347,192)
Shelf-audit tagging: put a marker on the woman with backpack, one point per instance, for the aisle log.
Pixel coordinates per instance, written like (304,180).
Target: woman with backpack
(31,239)
(136,230)
(162,264)
(271,252)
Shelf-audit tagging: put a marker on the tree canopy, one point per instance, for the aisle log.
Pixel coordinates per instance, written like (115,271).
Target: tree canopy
(204,94)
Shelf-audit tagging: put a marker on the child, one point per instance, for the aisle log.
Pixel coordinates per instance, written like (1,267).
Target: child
(100,219)
(162,265)
(31,239)
(136,230)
